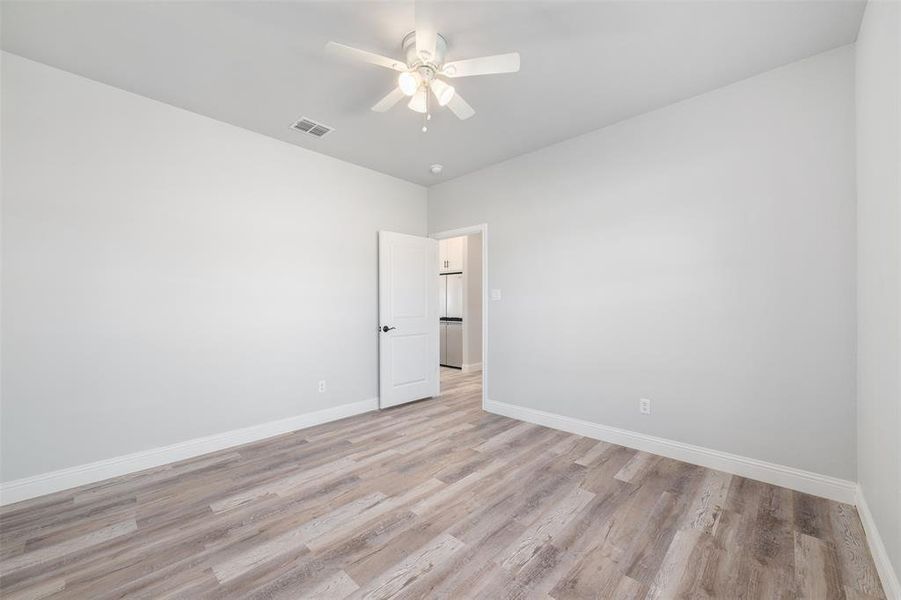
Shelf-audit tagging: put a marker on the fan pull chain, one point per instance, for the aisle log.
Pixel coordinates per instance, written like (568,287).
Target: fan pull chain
(428,115)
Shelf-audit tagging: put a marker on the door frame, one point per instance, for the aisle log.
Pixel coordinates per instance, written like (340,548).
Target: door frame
(470,230)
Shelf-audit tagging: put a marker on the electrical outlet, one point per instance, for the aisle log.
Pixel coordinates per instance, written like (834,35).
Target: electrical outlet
(644,406)
(322,385)
(495,295)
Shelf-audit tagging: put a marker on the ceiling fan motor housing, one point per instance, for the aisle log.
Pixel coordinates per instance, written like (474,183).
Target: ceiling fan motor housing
(434,63)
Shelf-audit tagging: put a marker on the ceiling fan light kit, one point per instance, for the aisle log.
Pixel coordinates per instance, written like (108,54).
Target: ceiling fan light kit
(419,102)
(424,63)
(409,82)
(443,92)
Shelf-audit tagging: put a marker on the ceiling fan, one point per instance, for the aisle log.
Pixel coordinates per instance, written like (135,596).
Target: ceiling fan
(423,70)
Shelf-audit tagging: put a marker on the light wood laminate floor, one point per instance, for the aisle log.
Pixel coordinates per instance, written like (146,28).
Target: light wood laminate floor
(435,499)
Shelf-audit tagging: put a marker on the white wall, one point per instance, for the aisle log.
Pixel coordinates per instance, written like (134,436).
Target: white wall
(472,322)
(878,87)
(167,276)
(702,256)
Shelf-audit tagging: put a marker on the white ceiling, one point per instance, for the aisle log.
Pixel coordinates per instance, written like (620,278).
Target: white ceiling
(261,65)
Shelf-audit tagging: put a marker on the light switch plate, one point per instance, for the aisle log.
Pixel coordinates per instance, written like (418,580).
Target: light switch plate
(495,294)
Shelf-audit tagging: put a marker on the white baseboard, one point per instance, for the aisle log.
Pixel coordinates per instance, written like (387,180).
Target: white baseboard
(54,481)
(890,583)
(472,367)
(789,477)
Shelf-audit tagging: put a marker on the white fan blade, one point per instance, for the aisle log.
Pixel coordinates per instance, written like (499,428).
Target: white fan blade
(371,58)
(393,97)
(426,35)
(485,65)
(460,107)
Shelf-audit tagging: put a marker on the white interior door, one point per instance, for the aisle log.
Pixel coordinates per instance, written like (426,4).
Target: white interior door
(408,318)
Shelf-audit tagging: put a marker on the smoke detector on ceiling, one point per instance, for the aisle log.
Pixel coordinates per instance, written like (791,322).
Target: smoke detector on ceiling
(436,169)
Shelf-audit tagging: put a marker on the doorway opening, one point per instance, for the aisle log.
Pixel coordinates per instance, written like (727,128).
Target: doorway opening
(462,282)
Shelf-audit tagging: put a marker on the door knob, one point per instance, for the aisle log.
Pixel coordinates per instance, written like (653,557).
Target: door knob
(386,329)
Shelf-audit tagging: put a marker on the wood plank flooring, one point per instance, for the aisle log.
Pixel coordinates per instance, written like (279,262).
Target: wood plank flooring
(435,499)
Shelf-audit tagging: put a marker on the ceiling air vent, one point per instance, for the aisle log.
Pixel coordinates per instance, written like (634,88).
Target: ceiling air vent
(313,128)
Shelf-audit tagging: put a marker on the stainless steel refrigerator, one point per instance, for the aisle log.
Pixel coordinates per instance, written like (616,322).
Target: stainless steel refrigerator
(450,312)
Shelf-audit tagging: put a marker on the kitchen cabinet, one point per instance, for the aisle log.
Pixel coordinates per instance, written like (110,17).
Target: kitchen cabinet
(450,254)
